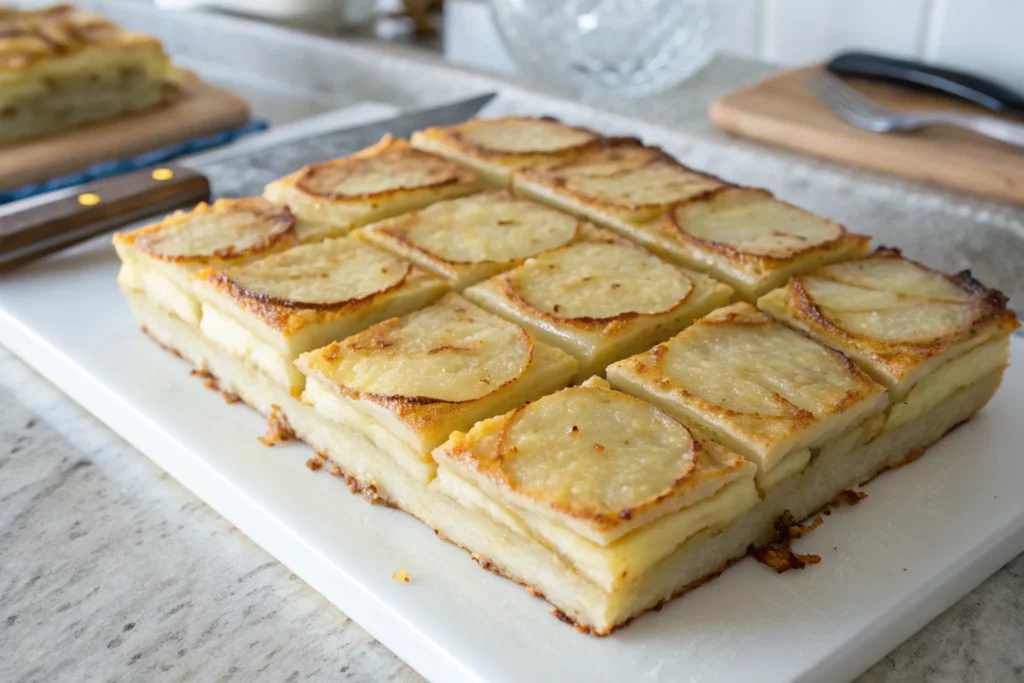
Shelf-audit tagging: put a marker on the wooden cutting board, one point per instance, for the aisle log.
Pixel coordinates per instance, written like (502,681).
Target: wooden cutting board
(202,110)
(782,111)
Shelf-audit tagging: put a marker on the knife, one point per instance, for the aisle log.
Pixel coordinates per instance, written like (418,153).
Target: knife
(42,225)
(965,86)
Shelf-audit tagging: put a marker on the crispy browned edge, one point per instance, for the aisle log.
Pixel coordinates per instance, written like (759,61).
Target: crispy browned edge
(736,255)
(609,323)
(993,304)
(415,411)
(547,175)
(396,228)
(287,316)
(282,235)
(62,30)
(370,493)
(647,367)
(453,174)
(452,136)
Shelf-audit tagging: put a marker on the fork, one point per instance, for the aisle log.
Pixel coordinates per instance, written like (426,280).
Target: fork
(865,113)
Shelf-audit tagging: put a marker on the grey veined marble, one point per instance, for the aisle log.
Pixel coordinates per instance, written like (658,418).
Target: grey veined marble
(112,571)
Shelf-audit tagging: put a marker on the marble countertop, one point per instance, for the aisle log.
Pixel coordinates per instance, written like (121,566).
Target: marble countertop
(110,570)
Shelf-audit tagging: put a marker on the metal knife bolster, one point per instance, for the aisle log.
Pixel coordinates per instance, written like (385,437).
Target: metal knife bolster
(67,218)
(982,91)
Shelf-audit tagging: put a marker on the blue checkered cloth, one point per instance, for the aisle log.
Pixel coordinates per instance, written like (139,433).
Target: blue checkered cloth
(105,169)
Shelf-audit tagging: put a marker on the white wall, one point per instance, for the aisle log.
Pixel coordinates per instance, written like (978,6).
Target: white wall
(983,35)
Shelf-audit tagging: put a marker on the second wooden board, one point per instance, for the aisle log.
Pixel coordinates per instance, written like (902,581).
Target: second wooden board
(783,112)
(202,110)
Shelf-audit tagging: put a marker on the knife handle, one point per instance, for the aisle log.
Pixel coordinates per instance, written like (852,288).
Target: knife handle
(988,94)
(96,208)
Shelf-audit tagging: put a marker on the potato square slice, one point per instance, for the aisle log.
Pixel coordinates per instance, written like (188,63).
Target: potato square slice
(496,148)
(619,184)
(598,464)
(161,260)
(383,180)
(407,383)
(600,300)
(468,239)
(269,311)
(758,387)
(921,333)
(748,239)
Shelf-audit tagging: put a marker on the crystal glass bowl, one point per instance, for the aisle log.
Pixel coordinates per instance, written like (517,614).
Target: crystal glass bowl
(627,47)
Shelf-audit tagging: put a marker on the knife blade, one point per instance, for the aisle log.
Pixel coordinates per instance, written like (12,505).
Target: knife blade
(959,84)
(43,225)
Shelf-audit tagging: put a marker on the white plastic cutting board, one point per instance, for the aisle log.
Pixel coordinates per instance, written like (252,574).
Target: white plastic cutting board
(927,534)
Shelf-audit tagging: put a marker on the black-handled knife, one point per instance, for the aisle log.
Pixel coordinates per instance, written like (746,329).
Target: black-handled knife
(983,91)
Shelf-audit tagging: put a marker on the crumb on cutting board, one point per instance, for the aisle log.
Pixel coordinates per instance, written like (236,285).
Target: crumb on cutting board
(401,575)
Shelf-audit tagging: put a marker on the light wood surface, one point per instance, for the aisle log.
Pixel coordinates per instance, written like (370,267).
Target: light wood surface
(202,110)
(783,112)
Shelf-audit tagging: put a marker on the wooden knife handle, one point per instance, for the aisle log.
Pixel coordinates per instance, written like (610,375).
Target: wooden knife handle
(95,208)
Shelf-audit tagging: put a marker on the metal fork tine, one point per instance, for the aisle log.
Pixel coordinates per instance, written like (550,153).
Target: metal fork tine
(840,96)
(825,87)
(836,93)
(849,104)
(854,98)
(821,90)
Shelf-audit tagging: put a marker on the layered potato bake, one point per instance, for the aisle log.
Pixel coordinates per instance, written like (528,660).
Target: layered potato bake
(608,377)
(60,67)
(589,494)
